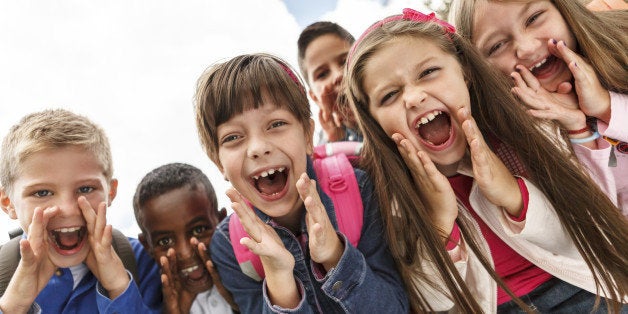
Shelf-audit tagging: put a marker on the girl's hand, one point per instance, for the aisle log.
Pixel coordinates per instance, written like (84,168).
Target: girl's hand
(177,300)
(209,265)
(277,261)
(561,105)
(593,99)
(34,269)
(102,259)
(497,184)
(325,246)
(434,187)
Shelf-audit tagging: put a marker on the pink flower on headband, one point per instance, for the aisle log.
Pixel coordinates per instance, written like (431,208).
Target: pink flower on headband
(408,15)
(413,15)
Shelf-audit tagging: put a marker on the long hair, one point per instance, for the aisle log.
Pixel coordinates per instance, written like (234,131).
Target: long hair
(596,226)
(602,37)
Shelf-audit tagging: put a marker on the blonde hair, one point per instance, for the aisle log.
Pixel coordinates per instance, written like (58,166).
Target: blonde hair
(240,84)
(595,224)
(50,129)
(602,37)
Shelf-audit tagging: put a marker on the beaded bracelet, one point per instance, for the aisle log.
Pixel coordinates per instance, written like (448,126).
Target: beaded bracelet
(595,136)
(573,132)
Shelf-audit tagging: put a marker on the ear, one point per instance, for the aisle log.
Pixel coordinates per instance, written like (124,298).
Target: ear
(313,96)
(310,138)
(6,204)
(113,191)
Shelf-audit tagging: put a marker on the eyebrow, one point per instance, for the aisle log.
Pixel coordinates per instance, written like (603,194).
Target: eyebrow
(196,220)
(378,88)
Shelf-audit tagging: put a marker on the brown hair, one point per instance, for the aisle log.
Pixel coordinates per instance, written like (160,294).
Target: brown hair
(595,224)
(314,31)
(244,83)
(51,128)
(602,37)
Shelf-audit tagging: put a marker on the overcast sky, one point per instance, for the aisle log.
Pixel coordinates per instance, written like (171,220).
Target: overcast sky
(132,66)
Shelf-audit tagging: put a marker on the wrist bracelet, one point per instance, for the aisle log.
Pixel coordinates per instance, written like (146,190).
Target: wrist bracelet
(573,132)
(595,136)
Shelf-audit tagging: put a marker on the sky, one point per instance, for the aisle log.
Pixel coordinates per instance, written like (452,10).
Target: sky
(132,66)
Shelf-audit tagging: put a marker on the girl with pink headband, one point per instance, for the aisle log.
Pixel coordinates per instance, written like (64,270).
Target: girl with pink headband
(482,213)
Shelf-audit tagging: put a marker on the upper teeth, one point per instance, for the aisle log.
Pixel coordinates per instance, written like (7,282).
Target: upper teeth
(538,64)
(189,269)
(269,171)
(72,229)
(428,117)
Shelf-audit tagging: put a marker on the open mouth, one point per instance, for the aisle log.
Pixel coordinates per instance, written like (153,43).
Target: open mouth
(544,66)
(196,277)
(434,129)
(68,240)
(271,183)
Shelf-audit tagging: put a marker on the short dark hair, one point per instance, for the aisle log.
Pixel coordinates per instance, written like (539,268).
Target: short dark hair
(166,178)
(315,30)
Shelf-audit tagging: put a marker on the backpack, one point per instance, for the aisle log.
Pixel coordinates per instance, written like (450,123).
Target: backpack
(334,170)
(10,256)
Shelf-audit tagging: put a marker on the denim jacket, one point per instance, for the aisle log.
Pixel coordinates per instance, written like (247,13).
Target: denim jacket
(364,281)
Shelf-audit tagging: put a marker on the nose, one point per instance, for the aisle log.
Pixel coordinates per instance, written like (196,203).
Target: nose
(526,47)
(184,249)
(413,96)
(258,147)
(337,75)
(68,206)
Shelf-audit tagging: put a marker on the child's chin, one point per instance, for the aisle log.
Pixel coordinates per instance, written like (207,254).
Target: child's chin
(68,260)
(200,286)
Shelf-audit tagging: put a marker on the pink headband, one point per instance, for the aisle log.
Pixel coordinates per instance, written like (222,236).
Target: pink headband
(292,75)
(408,15)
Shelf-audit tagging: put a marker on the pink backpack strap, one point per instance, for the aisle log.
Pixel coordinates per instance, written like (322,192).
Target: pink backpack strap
(337,178)
(350,149)
(250,263)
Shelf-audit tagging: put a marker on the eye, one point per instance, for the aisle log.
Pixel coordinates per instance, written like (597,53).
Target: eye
(387,98)
(229,138)
(428,72)
(277,124)
(321,75)
(165,242)
(85,189)
(494,48)
(42,193)
(533,18)
(198,231)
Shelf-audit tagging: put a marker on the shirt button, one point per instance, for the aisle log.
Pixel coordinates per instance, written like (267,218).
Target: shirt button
(337,285)
(59,272)
(213,303)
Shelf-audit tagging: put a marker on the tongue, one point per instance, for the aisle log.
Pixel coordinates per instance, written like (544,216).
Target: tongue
(437,130)
(68,239)
(197,274)
(271,184)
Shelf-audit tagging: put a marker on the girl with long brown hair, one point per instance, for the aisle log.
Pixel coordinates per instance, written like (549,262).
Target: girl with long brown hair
(480,207)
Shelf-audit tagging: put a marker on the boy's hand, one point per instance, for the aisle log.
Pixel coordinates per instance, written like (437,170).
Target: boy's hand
(593,99)
(209,265)
(277,261)
(497,184)
(34,269)
(433,186)
(328,115)
(102,259)
(176,299)
(325,246)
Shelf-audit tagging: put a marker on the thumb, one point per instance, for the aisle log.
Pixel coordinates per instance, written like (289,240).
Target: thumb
(564,88)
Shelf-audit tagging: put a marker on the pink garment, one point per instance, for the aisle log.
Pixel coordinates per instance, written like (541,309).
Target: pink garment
(613,180)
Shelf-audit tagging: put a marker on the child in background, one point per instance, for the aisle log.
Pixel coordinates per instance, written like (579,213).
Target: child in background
(323,48)
(56,177)
(176,208)
(254,123)
(567,64)
(459,221)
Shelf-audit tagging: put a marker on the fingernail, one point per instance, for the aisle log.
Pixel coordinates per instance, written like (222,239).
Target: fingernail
(554,41)
(575,64)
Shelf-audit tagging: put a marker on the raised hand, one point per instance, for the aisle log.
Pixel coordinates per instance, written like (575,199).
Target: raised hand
(277,261)
(561,105)
(209,265)
(495,181)
(433,186)
(325,246)
(34,269)
(328,115)
(102,259)
(593,99)
(177,300)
